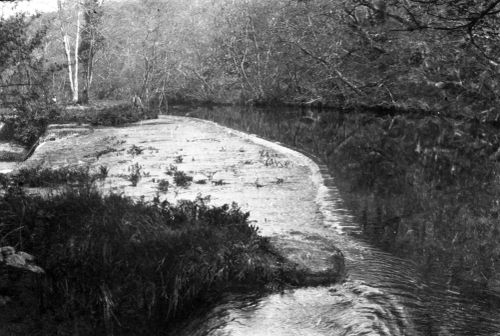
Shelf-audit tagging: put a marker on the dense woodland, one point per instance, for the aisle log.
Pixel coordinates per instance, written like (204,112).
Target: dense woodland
(427,71)
(434,55)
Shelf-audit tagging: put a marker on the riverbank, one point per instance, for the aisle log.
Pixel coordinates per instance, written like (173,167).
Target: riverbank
(23,127)
(154,161)
(21,130)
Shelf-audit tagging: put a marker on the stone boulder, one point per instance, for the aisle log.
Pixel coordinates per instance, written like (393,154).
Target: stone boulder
(318,262)
(200,178)
(22,260)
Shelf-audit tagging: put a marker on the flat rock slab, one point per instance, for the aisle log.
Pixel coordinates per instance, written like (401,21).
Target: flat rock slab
(10,151)
(276,185)
(63,131)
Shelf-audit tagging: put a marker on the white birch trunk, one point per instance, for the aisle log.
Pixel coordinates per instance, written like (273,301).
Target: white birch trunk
(77,57)
(72,74)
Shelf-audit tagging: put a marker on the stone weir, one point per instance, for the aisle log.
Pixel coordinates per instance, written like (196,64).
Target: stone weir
(278,186)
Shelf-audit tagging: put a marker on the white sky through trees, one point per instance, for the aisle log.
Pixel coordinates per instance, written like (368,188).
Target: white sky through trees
(31,7)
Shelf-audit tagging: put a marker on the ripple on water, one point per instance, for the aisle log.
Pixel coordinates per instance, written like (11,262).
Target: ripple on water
(349,309)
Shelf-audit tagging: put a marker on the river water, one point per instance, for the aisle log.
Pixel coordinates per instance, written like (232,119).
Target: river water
(382,295)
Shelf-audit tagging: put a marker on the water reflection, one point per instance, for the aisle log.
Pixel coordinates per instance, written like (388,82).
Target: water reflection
(383,295)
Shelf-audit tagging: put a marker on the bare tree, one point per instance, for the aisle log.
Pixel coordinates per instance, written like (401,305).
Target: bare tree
(77,33)
(91,42)
(72,59)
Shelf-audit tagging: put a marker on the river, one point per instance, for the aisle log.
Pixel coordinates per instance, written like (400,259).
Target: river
(382,295)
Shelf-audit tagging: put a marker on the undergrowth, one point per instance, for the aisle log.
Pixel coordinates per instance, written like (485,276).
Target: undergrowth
(106,113)
(47,177)
(31,118)
(117,266)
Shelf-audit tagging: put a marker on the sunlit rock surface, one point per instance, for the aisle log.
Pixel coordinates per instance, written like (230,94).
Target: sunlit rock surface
(273,183)
(279,198)
(11,258)
(11,152)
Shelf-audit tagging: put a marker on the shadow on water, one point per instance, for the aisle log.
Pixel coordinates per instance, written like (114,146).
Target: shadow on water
(383,294)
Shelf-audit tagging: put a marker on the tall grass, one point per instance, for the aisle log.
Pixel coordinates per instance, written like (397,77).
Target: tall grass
(117,266)
(47,177)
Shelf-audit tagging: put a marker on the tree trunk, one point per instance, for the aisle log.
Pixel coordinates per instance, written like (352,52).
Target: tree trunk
(72,73)
(77,56)
(90,38)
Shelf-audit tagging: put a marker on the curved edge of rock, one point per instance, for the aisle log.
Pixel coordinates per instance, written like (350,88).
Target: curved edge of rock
(317,264)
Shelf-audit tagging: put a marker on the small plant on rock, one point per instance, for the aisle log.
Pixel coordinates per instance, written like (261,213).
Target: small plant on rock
(102,173)
(218,182)
(182,179)
(104,152)
(135,173)
(135,150)
(172,169)
(163,186)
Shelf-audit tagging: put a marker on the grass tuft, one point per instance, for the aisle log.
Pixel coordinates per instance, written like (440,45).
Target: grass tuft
(135,173)
(181,179)
(163,185)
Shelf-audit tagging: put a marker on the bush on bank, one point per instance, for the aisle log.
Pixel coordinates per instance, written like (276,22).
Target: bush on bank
(106,113)
(115,265)
(28,122)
